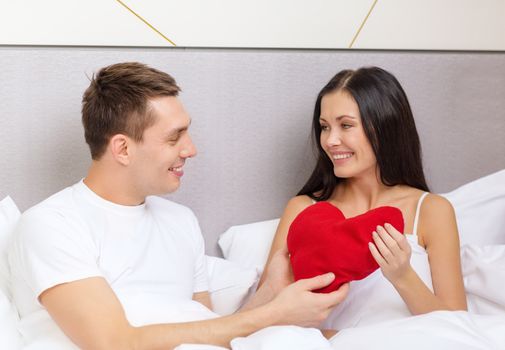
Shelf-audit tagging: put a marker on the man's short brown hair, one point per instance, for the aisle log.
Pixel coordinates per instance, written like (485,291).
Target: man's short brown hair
(116,102)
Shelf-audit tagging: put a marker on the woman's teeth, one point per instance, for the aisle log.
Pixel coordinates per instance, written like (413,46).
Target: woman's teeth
(342,156)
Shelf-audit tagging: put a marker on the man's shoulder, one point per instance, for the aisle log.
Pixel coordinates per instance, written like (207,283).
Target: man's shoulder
(48,219)
(60,203)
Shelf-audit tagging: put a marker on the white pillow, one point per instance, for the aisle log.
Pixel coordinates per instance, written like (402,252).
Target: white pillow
(229,284)
(483,271)
(480,210)
(249,245)
(9,215)
(10,338)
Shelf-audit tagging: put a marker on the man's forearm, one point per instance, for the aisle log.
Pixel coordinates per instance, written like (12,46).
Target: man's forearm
(219,331)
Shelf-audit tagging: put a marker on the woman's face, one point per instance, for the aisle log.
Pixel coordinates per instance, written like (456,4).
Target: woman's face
(343,137)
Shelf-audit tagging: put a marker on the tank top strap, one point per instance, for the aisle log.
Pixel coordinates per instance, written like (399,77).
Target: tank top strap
(418,209)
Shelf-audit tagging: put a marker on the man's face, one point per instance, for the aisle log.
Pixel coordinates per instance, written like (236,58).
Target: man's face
(157,161)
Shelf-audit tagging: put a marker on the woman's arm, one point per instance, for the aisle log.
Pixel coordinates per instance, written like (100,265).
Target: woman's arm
(438,229)
(293,208)
(441,240)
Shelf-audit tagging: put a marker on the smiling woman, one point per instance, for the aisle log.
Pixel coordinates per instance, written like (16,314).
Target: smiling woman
(371,109)
(369,157)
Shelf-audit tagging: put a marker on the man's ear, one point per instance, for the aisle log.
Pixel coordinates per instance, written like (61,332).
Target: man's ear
(118,145)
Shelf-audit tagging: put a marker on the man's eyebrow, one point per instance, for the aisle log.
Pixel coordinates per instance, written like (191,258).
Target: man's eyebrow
(177,131)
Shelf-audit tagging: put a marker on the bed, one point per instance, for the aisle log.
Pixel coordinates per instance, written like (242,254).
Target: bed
(480,211)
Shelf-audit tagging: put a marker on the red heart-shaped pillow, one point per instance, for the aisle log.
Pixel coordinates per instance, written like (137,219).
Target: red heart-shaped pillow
(320,240)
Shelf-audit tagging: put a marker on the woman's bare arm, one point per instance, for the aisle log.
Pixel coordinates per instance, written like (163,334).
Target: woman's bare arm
(294,206)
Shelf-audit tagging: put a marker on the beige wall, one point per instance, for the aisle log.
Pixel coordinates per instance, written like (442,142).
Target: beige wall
(251,114)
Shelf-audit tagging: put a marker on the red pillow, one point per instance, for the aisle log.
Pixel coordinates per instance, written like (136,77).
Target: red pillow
(320,240)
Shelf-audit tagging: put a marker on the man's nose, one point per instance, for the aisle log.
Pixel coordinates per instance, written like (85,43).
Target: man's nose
(189,149)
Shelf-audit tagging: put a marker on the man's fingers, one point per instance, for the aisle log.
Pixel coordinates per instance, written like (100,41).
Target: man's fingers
(339,295)
(317,282)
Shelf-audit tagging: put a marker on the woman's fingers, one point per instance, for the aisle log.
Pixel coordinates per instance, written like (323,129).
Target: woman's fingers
(388,240)
(397,236)
(376,254)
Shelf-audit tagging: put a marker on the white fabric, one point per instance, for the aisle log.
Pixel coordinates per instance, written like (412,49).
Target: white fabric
(9,216)
(484,277)
(152,255)
(230,284)
(9,336)
(249,244)
(418,211)
(282,337)
(437,330)
(480,210)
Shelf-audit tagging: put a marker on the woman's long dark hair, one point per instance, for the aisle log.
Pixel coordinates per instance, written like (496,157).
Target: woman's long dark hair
(388,124)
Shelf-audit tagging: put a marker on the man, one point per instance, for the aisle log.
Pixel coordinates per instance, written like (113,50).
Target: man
(118,268)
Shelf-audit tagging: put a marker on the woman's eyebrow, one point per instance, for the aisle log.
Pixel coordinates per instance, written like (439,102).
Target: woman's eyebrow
(345,116)
(339,117)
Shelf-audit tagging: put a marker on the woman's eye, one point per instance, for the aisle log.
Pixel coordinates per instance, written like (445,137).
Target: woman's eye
(346,126)
(324,127)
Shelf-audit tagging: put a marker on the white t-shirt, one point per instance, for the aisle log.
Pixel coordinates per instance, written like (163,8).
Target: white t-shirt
(152,256)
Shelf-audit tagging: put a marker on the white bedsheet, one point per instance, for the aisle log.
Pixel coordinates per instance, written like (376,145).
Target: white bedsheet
(483,327)
(437,330)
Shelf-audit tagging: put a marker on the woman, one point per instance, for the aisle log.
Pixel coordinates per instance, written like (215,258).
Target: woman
(370,156)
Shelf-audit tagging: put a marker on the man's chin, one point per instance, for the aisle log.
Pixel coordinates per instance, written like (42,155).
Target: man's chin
(169,190)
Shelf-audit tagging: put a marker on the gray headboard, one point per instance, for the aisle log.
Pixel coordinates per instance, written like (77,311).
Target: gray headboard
(251,114)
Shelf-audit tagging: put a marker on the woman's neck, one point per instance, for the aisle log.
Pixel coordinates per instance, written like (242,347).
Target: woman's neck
(363,193)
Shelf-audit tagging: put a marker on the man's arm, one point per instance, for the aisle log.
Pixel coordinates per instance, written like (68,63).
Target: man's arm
(90,314)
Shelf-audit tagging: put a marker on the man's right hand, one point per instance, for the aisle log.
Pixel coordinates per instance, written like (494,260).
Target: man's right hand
(297,304)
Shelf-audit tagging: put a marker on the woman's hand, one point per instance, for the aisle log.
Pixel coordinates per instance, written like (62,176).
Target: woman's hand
(392,252)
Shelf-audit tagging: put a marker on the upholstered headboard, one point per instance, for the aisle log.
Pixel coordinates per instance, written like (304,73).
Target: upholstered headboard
(251,113)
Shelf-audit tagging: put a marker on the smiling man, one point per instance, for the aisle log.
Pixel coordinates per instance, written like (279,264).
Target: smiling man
(106,264)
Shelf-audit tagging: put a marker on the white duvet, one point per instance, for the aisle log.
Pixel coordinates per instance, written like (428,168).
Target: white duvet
(483,327)
(437,330)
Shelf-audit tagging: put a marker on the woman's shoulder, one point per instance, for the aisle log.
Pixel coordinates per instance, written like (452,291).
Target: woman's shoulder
(299,202)
(295,206)
(437,216)
(431,201)
(437,205)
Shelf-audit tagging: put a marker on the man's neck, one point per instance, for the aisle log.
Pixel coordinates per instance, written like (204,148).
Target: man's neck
(112,185)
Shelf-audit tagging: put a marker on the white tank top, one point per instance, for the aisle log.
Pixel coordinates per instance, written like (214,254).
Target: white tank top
(374,299)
